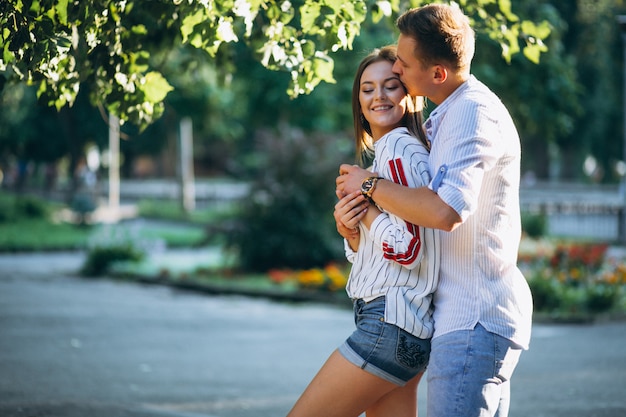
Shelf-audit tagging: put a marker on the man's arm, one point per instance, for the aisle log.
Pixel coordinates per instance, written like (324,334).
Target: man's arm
(420,206)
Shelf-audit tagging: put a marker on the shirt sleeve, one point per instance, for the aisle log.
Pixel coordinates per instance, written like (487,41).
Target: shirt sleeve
(402,245)
(470,151)
(350,254)
(404,161)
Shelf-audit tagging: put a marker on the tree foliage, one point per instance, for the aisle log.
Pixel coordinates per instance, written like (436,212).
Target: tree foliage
(545,100)
(286,222)
(111,45)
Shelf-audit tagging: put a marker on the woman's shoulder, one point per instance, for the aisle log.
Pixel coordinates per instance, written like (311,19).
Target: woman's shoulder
(400,136)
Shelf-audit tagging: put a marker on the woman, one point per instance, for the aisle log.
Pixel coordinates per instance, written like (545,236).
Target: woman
(395,264)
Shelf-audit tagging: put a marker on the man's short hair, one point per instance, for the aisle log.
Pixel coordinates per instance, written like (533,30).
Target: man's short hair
(442,33)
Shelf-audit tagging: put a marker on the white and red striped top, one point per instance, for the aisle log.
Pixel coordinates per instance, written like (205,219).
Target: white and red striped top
(397,259)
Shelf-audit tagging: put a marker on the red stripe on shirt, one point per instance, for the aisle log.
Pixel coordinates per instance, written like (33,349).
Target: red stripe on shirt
(406,258)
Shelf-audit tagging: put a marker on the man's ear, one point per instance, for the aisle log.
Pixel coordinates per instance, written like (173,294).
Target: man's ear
(440,74)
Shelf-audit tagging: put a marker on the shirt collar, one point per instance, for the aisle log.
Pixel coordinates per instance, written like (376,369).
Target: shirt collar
(434,119)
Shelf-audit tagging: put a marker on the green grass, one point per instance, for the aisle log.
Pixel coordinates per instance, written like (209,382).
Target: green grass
(26,225)
(41,235)
(26,235)
(171,210)
(175,236)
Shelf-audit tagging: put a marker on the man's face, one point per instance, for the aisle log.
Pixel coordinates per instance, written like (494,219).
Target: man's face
(415,78)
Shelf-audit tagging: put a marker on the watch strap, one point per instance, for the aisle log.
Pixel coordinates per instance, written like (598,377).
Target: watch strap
(368,186)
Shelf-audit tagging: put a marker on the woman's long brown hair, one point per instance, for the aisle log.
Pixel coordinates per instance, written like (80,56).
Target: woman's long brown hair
(412,118)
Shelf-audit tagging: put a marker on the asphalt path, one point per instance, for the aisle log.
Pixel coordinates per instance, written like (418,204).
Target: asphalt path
(77,347)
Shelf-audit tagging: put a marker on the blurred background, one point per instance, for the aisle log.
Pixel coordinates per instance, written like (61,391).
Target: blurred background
(233,157)
(218,177)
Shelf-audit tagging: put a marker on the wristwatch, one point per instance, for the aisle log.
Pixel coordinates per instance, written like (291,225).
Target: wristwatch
(368,186)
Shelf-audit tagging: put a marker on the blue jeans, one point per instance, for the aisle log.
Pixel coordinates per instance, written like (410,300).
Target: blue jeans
(469,374)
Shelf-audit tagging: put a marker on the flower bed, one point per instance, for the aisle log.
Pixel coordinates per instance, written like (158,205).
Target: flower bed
(574,280)
(569,281)
(330,278)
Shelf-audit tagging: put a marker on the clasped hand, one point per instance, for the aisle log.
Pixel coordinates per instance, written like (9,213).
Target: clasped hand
(352,205)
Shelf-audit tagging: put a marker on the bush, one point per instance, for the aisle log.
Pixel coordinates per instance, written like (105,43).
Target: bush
(111,244)
(534,225)
(31,207)
(14,207)
(287,221)
(575,280)
(546,294)
(99,260)
(602,297)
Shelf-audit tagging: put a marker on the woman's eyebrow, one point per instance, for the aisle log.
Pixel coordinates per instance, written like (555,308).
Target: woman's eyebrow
(394,78)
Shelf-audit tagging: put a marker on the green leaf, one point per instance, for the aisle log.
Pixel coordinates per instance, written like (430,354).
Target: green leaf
(541,31)
(310,11)
(323,68)
(505,8)
(532,53)
(156,87)
(189,23)
(139,30)
(61,11)
(63,42)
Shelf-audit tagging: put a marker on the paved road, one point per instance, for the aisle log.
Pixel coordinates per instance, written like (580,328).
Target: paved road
(74,347)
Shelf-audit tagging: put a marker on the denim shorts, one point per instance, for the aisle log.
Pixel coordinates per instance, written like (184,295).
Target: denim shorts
(383,349)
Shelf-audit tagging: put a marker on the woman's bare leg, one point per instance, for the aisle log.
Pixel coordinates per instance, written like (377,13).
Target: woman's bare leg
(400,402)
(340,389)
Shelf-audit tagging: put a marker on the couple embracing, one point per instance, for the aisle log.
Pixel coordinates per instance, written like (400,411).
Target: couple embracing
(432,230)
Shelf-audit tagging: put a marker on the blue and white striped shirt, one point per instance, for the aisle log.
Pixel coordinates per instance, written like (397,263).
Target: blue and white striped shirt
(397,259)
(475,166)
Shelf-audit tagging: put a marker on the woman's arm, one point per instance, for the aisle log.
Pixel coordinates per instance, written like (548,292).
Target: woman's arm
(420,205)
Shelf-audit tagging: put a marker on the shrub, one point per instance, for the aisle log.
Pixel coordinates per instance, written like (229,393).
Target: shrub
(546,294)
(31,207)
(13,207)
(100,259)
(534,225)
(575,279)
(115,243)
(602,297)
(287,222)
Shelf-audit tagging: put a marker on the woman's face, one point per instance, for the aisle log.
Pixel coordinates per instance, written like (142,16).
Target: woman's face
(382,98)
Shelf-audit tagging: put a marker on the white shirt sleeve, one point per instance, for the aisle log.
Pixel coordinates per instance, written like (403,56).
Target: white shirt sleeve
(404,160)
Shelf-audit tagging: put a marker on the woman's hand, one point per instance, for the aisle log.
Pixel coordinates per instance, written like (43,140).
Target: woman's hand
(349,211)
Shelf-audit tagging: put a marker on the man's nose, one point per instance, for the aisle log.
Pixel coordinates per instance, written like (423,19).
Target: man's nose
(396,68)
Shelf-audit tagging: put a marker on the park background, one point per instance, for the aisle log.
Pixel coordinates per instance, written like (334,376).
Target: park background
(126,131)
(224,184)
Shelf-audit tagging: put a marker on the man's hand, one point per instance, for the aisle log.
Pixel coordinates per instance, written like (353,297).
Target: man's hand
(350,178)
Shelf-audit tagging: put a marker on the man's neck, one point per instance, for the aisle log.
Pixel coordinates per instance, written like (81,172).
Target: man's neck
(453,82)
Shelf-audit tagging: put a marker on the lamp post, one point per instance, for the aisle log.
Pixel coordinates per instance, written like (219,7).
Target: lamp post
(621,19)
(114,163)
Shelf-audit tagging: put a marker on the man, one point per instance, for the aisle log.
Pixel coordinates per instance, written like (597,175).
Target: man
(483,305)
